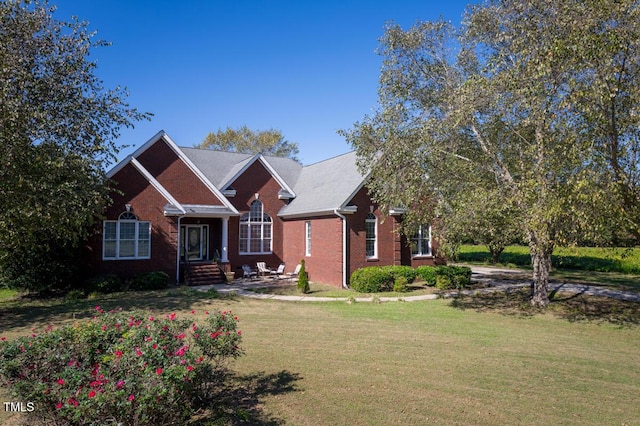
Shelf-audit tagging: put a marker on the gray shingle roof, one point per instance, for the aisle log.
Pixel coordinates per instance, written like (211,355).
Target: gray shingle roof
(325,186)
(319,188)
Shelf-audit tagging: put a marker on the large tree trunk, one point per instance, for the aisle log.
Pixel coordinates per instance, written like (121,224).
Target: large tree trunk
(541,260)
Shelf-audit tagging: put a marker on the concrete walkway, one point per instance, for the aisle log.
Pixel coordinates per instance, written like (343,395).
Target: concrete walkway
(494,279)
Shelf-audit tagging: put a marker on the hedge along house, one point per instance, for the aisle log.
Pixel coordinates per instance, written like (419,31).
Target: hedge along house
(192,213)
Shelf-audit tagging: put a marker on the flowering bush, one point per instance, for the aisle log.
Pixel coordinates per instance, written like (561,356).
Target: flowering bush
(125,368)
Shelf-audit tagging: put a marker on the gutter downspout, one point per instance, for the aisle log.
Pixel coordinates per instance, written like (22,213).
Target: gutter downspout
(178,250)
(344,246)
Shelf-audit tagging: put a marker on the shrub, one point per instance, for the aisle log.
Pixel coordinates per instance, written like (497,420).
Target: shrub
(108,283)
(450,277)
(75,295)
(372,279)
(303,279)
(156,280)
(402,271)
(427,273)
(121,368)
(400,284)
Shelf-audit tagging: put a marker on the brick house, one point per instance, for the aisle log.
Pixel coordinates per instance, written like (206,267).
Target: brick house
(179,209)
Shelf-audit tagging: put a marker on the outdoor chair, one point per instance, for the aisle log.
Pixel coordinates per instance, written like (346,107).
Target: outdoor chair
(262,269)
(278,272)
(293,275)
(247,272)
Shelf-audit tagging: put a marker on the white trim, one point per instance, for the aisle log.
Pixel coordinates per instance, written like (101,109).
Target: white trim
(419,239)
(157,185)
(176,149)
(117,240)
(269,168)
(307,238)
(368,220)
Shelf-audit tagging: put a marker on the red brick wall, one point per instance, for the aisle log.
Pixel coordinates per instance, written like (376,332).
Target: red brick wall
(147,204)
(172,173)
(256,180)
(325,262)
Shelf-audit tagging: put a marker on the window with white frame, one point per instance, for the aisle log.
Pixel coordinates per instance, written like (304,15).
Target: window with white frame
(126,238)
(255,230)
(421,242)
(307,240)
(371,230)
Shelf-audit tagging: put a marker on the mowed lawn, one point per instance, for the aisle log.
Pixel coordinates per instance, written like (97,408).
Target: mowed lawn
(432,362)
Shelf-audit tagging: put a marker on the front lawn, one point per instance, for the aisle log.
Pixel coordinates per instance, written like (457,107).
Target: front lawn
(479,360)
(324,290)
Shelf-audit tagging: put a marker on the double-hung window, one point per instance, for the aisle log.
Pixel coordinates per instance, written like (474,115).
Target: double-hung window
(307,238)
(255,230)
(421,242)
(126,238)
(371,237)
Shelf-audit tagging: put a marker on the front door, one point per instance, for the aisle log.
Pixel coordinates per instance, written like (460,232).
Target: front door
(195,240)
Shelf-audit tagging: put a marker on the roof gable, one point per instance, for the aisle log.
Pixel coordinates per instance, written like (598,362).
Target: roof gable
(223,168)
(162,137)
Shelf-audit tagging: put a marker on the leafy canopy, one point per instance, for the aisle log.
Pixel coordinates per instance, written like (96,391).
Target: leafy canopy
(247,141)
(57,127)
(530,101)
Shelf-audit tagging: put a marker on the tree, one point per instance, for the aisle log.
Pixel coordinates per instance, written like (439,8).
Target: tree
(247,141)
(57,127)
(503,105)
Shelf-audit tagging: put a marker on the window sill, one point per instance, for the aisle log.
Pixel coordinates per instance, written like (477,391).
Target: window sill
(372,259)
(256,253)
(422,256)
(125,258)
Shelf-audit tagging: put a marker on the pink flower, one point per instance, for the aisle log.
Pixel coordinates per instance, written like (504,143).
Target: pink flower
(72,402)
(151,319)
(58,405)
(159,371)
(60,382)
(92,394)
(131,397)
(193,312)
(172,316)
(118,354)
(104,328)
(189,367)
(3,338)
(120,383)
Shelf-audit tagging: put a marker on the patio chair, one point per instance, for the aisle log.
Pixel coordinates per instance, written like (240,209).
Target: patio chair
(278,272)
(247,272)
(293,275)
(262,269)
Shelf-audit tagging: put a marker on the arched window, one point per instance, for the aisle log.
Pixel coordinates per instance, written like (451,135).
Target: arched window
(126,238)
(255,230)
(371,229)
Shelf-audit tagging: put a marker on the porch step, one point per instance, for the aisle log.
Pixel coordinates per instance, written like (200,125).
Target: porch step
(205,274)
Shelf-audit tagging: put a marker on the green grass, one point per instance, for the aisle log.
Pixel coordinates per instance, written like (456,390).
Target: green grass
(479,360)
(325,290)
(623,260)
(616,267)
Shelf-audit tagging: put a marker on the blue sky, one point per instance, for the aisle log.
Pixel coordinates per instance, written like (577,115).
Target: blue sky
(305,68)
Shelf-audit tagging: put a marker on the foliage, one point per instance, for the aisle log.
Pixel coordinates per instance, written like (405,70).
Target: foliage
(372,279)
(58,125)
(247,141)
(450,277)
(125,368)
(427,273)
(400,284)
(107,283)
(623,260)
(530,101)
(155,280)
(303,279)
(402,271)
